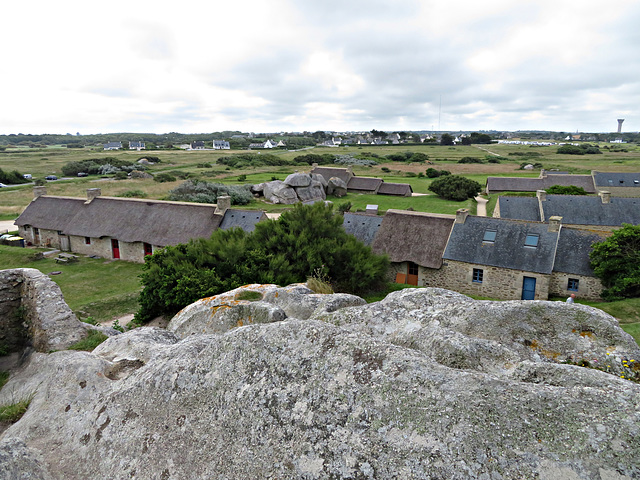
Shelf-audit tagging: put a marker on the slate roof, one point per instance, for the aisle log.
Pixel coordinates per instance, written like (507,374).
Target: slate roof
(245,219)
(362,226)
(610,179)
(129,220)
(400,189)
(583,210)
(519,208)
(508,250)
(413,237)
(364,184)
(328,172)
(525,184)
(574,246)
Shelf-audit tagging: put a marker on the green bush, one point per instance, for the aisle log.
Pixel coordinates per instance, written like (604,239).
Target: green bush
(311,158)
(14,177)
(455,187)
(570,150)
(284,251)
(120,176)
(132,194)
(164,177)
(206,192)
(433,173)
(470,160)
(566,190)
(242,178)
(616,262)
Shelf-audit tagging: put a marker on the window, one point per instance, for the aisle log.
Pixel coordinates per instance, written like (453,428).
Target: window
(87,240)
(489,236)
(60,232)
(478,275)
(148,249)
(572,284)
(36,231)
(531,241)
(413,268)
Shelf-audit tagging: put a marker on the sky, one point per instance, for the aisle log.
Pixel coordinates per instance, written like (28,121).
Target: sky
(293,65)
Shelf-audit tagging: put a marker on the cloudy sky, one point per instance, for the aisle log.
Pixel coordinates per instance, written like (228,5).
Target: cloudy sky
(294,65)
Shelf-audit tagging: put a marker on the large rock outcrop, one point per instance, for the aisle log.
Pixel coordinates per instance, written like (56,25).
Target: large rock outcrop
(425,384)
(33,313)
(297,187)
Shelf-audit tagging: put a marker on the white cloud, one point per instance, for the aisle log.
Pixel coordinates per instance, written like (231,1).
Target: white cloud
(297,65)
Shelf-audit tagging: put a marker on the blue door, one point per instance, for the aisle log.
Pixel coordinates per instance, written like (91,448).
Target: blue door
(528,288)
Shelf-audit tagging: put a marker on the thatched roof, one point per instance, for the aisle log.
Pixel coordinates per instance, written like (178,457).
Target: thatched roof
(414,237)
(362,226)
(367,184)
(129,220)
(400,189)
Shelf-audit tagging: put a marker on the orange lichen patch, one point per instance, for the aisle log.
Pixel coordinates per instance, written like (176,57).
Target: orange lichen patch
(277,293)
(240,323)
(547,353)
(587,333)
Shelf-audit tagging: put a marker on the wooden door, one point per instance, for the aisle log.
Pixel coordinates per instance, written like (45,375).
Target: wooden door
(528,288)
(115,248)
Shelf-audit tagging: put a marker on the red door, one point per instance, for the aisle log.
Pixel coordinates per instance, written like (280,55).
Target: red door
(115,248)
(148,249)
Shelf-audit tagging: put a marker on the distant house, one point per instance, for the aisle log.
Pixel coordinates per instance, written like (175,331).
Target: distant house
(604,211)
(113,145)
(544,181)
(221,145)
(270,144)
(618,184)
(281,143)
(368,185)
(397,189)
(197,145)
(123,228)
(136,146)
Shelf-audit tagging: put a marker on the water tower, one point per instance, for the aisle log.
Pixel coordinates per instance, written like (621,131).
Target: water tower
(620,120)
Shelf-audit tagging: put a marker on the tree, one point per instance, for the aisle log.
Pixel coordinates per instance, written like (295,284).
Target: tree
(446,139)
(284,251)
(455,187)
(616,262)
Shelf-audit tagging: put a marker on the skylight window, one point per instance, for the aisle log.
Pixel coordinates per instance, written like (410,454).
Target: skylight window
(531,241)
(489,236)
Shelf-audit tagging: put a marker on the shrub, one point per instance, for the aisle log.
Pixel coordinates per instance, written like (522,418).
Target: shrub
(284,251)
(121,176)
(455,187)
(433,173)
(132,194)
(13,177)
(345,207)
(385,169)
(420,157)
(164,177)
(311,158)
(242,178)
(566,190)
(493,160)
(150,158)
(470,160)
(206,192)
(570,150)
(410,174)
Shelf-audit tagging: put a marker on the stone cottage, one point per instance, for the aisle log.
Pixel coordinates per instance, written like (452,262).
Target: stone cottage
(123,228)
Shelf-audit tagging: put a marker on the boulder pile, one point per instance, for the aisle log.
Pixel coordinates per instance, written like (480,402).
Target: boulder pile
(270,382)
(300,187)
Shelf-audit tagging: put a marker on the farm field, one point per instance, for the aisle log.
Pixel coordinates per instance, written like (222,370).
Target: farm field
(49,161)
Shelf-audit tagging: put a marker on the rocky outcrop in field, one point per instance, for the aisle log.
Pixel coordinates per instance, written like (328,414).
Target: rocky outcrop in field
(424,384)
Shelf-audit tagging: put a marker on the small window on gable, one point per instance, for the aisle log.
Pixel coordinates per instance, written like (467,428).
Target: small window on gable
(572,284)
(478,275)
(531,241)
(489,236)
(610,182)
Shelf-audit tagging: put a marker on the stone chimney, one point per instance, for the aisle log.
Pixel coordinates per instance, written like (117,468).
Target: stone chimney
(91,194)
(542,195)
(554,223)
(350,170)
(606,196)
(224,203)
(314,165)
(39,191)
(372,209)
(461,215)
(543,173)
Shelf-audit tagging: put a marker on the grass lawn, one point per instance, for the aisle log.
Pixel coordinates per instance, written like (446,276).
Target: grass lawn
(98,288)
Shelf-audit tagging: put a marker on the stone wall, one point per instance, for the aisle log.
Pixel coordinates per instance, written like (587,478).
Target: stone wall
(36,313)
(13,334)
(589,288)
